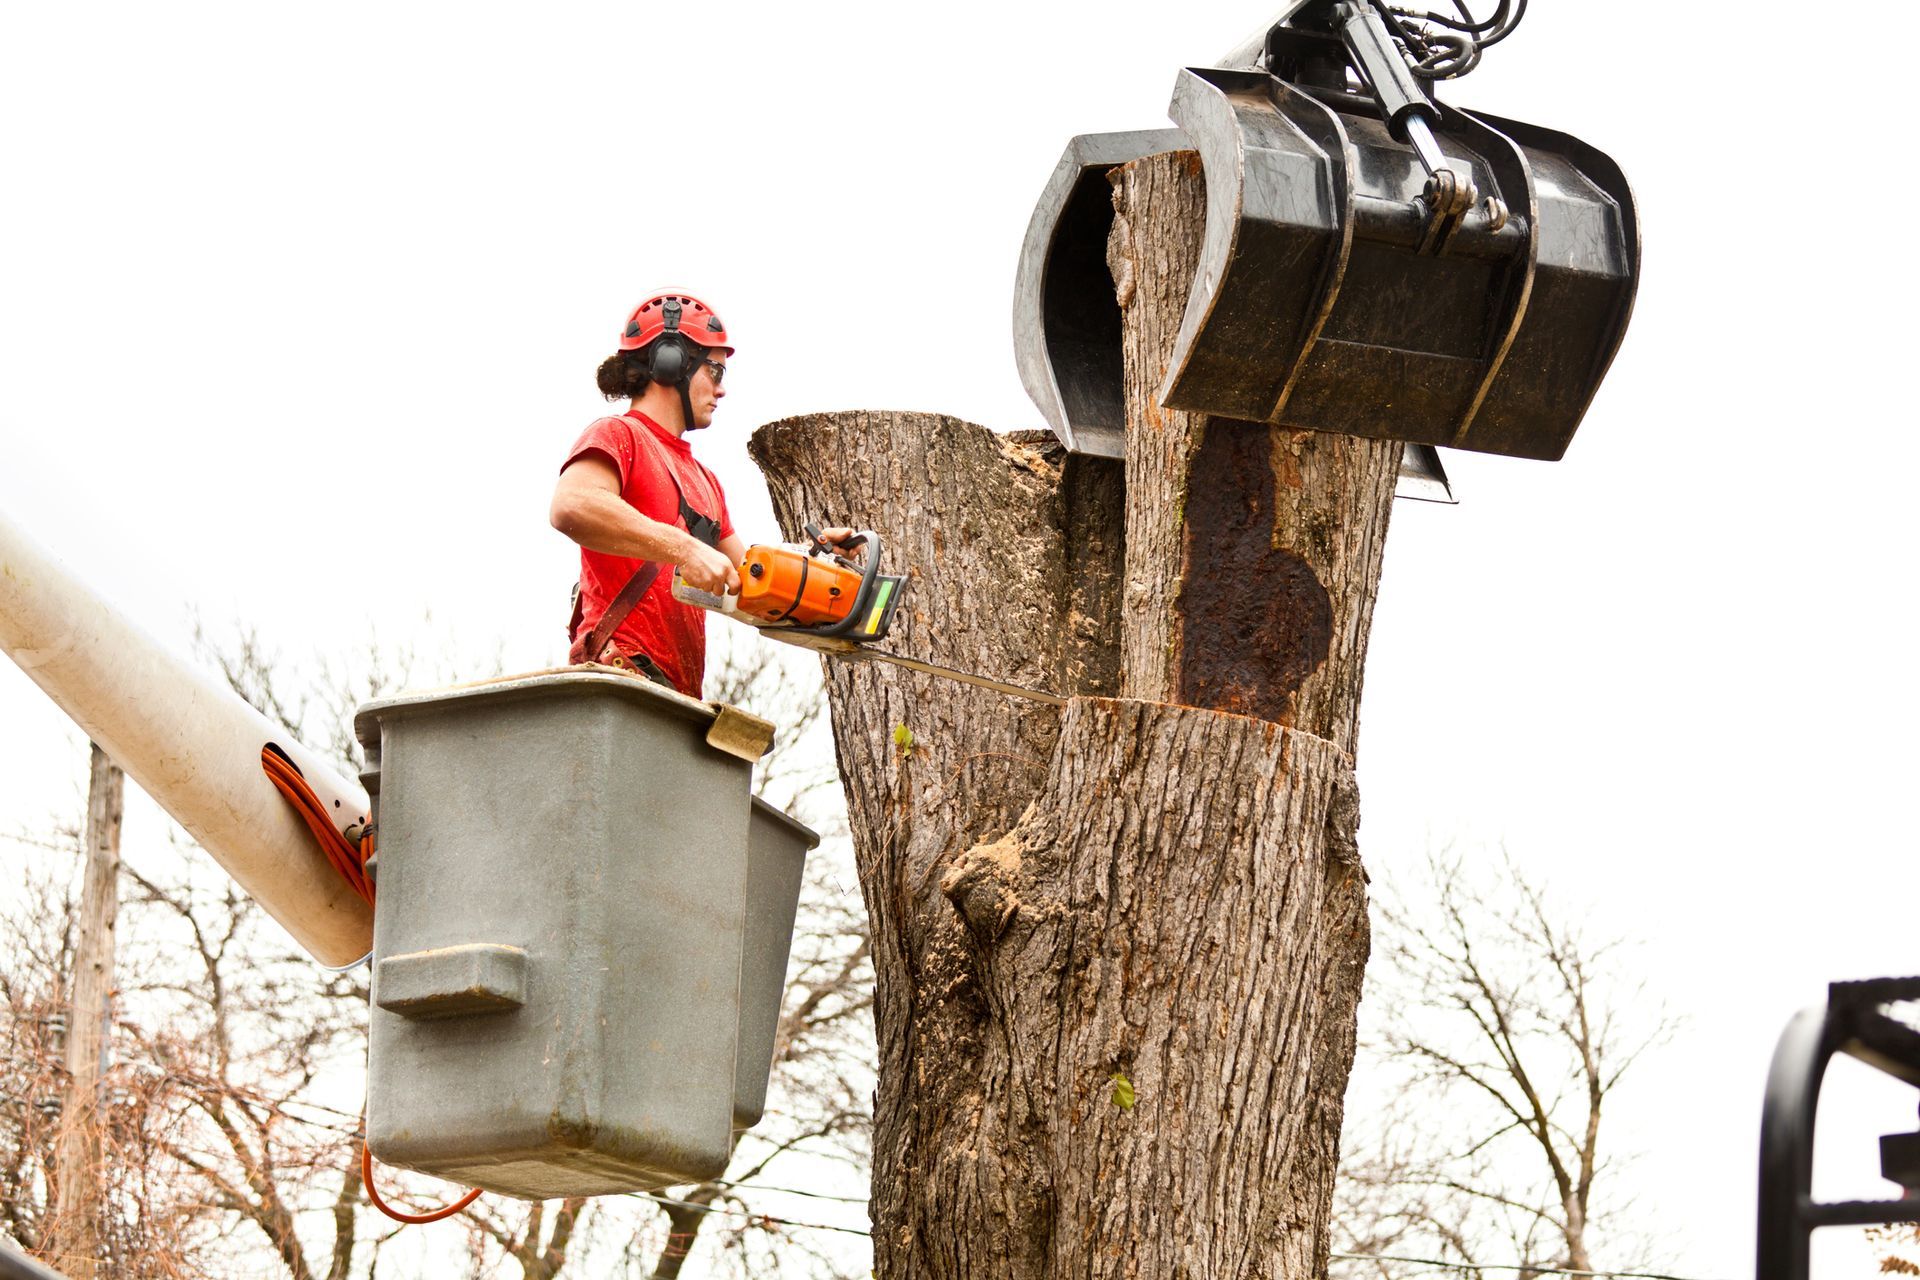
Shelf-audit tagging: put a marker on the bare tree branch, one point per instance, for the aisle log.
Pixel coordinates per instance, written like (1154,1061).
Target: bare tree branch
(1492,1013)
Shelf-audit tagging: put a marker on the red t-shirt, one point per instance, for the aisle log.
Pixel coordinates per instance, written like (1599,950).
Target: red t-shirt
(674,635)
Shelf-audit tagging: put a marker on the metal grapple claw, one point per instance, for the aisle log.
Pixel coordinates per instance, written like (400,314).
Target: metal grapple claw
(1341,287)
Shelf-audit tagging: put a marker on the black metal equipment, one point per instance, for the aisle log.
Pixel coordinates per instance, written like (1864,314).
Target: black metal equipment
(1373,264)
(1855,1022)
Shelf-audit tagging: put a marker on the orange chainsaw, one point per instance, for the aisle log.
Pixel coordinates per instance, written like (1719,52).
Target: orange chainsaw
(814,596)
(816,589)
(809,589)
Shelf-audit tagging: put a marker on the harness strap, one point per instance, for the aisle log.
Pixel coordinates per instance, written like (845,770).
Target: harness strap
(703,527)
(617,610)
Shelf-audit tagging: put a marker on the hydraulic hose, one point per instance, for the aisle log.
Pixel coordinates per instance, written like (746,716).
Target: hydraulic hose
(349,858)
(346,857)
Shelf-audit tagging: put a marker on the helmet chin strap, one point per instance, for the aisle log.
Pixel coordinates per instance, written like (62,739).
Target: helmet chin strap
(686,405)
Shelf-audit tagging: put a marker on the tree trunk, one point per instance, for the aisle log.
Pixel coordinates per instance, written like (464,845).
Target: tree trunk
(1253,551)
(345,1219)
(1118,948)
(545,1263)
(76,1246)
(684,1221)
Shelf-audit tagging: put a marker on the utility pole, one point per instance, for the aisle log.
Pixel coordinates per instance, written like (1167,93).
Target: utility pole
(75,1246)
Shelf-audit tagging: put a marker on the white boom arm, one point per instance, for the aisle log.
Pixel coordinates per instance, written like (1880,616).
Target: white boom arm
(192,743)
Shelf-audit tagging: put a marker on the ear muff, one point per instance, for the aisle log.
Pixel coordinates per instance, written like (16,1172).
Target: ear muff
(667,360)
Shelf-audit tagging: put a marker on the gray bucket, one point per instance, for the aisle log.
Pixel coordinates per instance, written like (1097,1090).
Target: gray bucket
(776,860)
(580,939)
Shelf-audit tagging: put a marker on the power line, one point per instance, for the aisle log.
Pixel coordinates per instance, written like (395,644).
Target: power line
(748,1213)
(791,1191)
(1526,1267)
(1522,1267)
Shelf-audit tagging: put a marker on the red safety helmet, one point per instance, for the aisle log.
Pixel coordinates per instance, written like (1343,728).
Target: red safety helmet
(680,313)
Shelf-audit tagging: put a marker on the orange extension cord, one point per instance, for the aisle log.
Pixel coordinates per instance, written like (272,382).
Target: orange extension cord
(350,860)
(415,1219)
(347,858)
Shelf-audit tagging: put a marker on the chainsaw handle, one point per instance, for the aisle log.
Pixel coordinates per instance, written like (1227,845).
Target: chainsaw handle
(869,576)
(821,547)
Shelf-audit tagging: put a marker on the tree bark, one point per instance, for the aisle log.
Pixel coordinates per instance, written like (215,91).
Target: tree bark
(76,1246)
(1118,948)
(1253,551)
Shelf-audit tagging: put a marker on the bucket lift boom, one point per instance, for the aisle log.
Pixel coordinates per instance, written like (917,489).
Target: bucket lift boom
(189,741)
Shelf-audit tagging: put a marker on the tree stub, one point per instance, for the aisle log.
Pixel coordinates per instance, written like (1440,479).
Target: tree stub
(1118,947)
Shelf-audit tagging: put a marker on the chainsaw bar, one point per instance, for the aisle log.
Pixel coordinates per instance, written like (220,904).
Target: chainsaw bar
(850,651)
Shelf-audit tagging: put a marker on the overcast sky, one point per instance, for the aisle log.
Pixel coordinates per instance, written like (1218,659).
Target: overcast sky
(301,308)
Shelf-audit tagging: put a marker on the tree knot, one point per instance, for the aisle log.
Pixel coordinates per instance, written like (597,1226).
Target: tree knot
(983,885)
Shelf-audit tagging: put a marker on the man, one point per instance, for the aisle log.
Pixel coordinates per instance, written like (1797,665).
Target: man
(640,505)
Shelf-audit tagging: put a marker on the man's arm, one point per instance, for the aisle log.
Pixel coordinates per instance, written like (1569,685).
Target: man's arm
(588,508)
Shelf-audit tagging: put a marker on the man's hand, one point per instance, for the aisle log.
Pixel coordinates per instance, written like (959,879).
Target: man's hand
(839,534)
(708,570)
